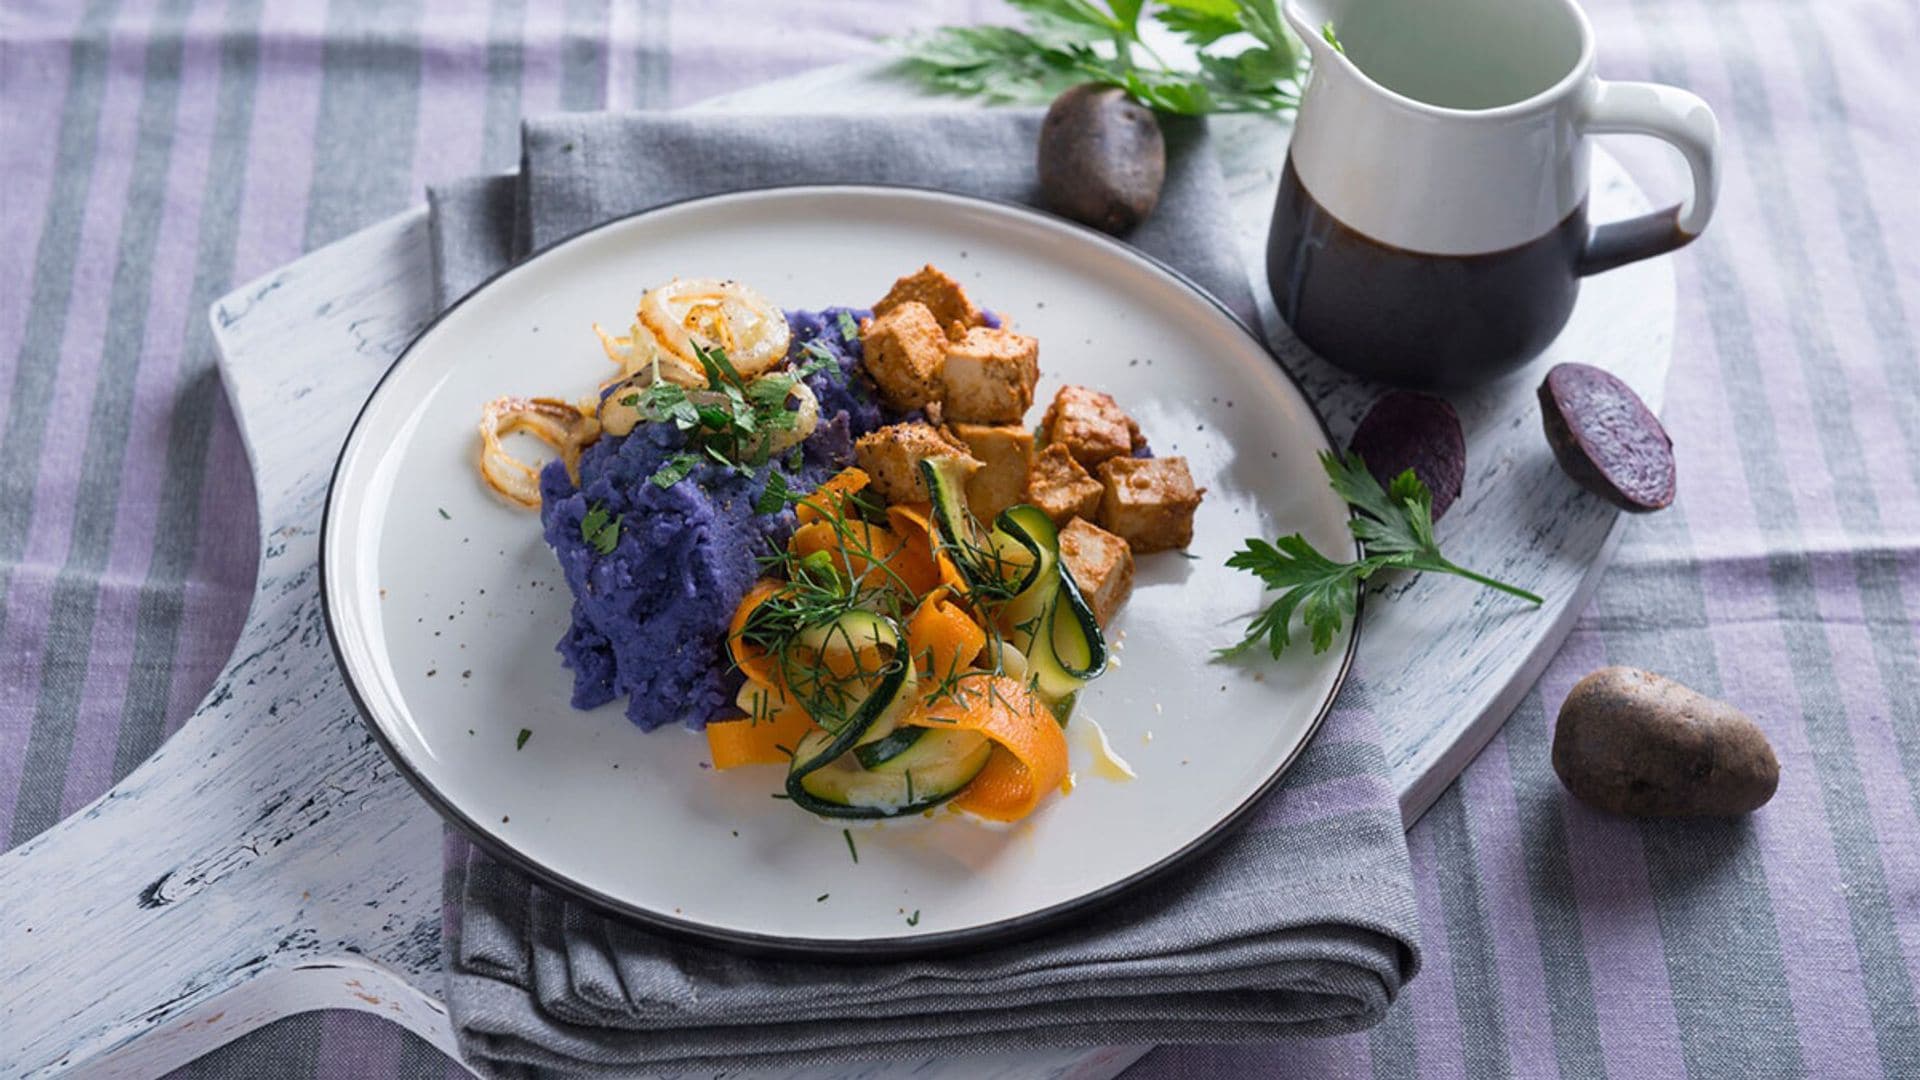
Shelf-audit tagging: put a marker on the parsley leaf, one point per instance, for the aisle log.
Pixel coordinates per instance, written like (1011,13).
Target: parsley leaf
(1395,529)
(520,741)
(999,63)
(600,529)
(767,398)
(819,358)
(1320,589)
(1066,42)
(1201,22)
(674,470)
(774,498)
(664,402)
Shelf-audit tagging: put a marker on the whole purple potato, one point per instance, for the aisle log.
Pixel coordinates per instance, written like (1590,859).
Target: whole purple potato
(1102,158)
(1635,743)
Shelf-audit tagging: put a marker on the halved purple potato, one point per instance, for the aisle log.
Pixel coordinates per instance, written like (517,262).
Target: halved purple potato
(1606,438)
(1404,430)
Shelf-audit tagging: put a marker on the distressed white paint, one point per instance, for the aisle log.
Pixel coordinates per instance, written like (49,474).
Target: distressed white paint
(267,860)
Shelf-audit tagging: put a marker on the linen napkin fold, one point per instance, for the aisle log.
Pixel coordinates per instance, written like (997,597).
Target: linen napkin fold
(1300,923)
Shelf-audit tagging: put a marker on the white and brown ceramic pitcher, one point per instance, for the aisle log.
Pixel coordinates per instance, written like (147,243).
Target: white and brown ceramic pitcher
(1431,227)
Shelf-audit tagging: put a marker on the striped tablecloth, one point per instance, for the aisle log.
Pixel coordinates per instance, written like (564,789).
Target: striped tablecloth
(155,152)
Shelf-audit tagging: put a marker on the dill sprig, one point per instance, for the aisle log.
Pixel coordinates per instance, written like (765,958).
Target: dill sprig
(995,574)
(804,623)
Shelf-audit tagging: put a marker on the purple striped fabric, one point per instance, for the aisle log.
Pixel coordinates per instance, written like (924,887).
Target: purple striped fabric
(157,151)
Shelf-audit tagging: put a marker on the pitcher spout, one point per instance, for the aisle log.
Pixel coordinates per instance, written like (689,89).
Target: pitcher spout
(1309,20)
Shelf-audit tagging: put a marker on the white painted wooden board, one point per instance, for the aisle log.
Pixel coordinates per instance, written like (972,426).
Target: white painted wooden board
(268,861)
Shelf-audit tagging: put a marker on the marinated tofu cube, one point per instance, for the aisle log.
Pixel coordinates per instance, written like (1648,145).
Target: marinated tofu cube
(1149,502)
(892,456)
(905,349)
(933,289)
(1101,564)
(1090,425)
(989,375)
(1004,451)
(1060,487)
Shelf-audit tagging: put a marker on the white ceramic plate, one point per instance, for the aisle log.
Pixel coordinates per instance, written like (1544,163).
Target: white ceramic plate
(444,604)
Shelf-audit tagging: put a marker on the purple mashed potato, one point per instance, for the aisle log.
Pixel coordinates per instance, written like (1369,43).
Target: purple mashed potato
(650,618)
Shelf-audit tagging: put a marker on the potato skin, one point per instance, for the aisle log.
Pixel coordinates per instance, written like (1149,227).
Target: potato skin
(1404,430)
(1102,158)
(1635,743)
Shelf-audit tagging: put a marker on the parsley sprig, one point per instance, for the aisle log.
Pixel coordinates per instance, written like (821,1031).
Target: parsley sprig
(732,420)
(1395,529)
(1247,61)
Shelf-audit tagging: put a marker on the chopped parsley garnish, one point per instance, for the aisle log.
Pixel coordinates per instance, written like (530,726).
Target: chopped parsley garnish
(818,355)
(674,470)
(849,327)
(444,516)
(914,919)
(600,529)
(521,741)
(851,850)
(732,420)
(774,498)
(821,897)
(820,361)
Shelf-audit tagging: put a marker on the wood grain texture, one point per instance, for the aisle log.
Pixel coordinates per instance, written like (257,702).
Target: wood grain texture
(268,860)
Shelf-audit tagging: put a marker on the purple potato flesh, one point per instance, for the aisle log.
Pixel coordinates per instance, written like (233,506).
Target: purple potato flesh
(1404,431)
(1606,438)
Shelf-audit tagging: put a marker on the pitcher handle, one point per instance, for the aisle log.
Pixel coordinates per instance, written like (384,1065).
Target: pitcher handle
(1683,120)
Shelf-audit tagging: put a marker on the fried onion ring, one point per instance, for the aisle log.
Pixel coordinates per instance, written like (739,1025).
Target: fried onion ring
(716,314)
(561,425)
(638,354)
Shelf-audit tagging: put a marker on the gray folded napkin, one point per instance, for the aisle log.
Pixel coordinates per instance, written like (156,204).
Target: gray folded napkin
(1300,923)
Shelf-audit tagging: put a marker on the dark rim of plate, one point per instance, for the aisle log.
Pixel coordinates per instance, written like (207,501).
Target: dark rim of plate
(839,949)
